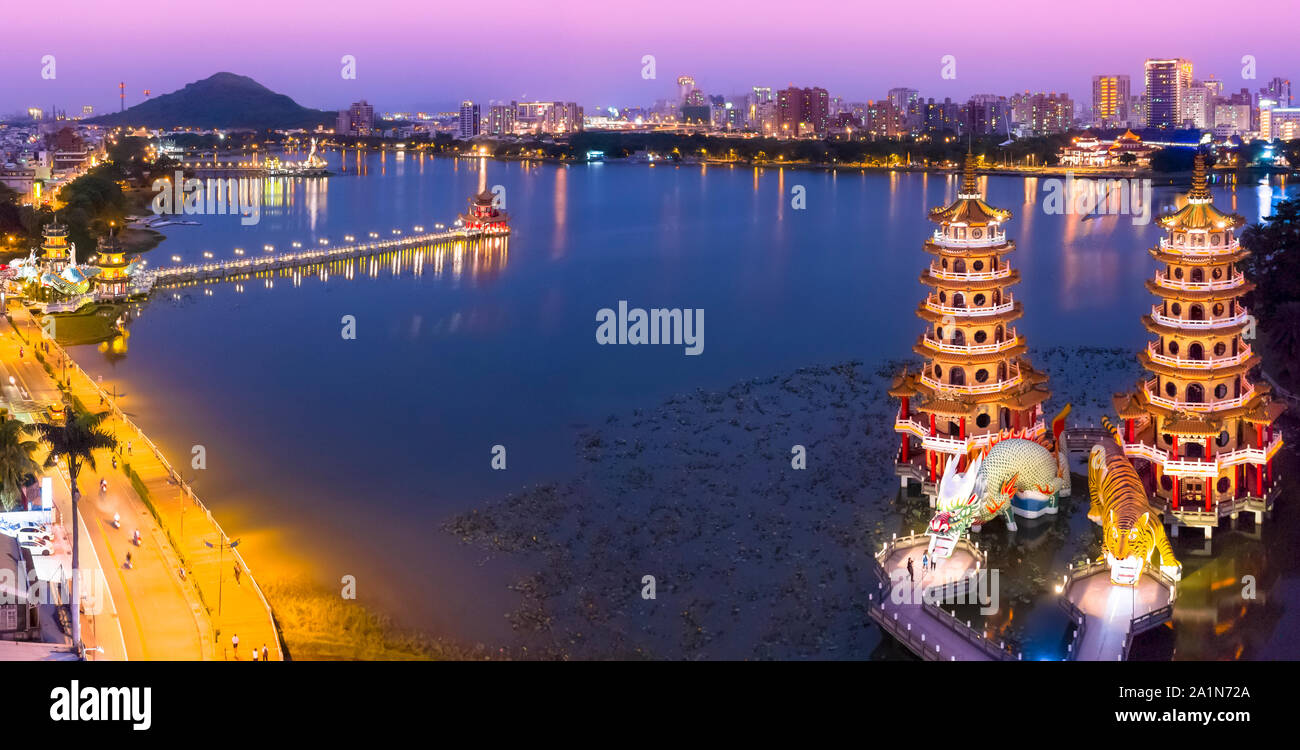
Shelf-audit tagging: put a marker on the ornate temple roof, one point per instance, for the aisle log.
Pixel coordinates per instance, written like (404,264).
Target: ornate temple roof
(969,208)
(1192,425)
(1127,406)
(1200,213)
(1264,411)
(904,385)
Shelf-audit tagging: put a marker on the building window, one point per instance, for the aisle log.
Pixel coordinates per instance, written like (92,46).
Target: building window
(979,265)
(1220,391)
(980,300)
(1176,309)
(982,421)
(980,337)
(1173,348)
(1171,390)
(1222,440)
(1223,484)
(981,375)
(1220,349)
(1195,393)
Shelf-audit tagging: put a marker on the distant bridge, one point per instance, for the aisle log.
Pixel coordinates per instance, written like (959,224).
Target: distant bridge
(240,267)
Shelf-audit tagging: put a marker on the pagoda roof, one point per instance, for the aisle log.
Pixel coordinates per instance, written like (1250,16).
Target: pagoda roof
(1129,135)
(1264,411)
(1198,259)
(1127,406)
(924,348)
(947,407)
(969,208)
(1016,311)
(904,385)
(1010,280)
(1199,294)
(1190,425)
(1200,213)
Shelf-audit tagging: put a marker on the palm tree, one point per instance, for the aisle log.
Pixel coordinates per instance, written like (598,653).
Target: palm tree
(15,461)
(75,440)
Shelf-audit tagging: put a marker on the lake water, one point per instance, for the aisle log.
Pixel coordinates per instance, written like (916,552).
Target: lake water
(333,457)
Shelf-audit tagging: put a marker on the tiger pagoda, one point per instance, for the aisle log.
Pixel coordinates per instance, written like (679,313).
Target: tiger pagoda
(1199,429)
(976,384)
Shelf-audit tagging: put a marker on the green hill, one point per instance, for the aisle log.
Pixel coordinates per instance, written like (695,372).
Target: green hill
(224,100)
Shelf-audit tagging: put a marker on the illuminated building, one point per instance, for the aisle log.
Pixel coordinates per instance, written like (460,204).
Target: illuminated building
(54,250)
(976,380)
(1199,428)
(1089,151)
(1110,99)
(800,111)
(501,119)
(359,119)
(112,281)
(1284,123)
(483,216)
(1166,80)
(1042,114)
(467,126)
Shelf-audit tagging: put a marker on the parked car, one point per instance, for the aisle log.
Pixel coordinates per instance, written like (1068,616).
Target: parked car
(38,546)
(31,531)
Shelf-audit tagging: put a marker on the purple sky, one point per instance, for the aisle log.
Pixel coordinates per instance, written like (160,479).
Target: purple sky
(416,54)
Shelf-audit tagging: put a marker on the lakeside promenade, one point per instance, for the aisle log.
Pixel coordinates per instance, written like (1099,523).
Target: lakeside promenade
(163,613)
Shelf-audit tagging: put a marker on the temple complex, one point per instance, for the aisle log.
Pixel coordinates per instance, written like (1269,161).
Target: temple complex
(54,250)
(1199,429)
(976,381)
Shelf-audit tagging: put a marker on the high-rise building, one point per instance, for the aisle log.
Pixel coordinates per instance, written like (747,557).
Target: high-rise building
(976,380)
(563,117)
(987,114)
(801,111)
(1284,123)
(1110,101)
(908,101)
(359,119)
(468,125)
(1166,80)
(685,85)
(501,119)
(1279,90)
(1196,106)
(941,117)
(1042,114)
(1201,429)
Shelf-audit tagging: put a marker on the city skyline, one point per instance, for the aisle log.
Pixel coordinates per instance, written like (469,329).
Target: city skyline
(604,64)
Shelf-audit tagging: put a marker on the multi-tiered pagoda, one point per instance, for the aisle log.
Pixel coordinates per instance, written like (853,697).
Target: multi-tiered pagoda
(112,281)
(54,250)
(976,380)
(1204,429)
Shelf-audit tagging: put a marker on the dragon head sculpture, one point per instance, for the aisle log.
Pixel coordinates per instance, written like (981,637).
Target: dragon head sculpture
(956,506)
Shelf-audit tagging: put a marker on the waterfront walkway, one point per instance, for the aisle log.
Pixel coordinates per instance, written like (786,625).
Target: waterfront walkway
(1108,617)
(163,614)
(901,607)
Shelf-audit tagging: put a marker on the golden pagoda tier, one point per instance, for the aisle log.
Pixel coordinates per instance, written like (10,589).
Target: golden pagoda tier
(976,381)
(1201,429)
(112,282)
(54,250)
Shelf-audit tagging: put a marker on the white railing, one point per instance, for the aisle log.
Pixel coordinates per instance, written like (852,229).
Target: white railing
(993,387)
(1008,343)
(1228,249)
(1201,406)
(956,446)
(1198,364)
(1204,467)
(1239,318)
(971,311)
(994,240)
(940,273)
(1163,280)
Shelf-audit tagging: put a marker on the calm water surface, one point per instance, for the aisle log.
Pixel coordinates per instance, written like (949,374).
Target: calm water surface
(333,457)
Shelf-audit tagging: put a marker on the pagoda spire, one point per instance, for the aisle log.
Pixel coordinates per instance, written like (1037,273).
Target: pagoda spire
(969,183)
(1200,187)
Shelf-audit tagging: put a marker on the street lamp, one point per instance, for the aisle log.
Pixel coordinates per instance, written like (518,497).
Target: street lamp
(222,545)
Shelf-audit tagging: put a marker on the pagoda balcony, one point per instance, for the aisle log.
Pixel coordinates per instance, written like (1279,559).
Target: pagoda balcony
(939,238)
(1005,307)
(1204,467)
(1163,280)
(941,443)
(1012,341)
(1168,247)
(939,273)
(1198,364)
(1197,406)
(997,386)
(1208,323)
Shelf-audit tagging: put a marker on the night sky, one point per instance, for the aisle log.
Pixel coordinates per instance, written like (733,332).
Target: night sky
(416,54)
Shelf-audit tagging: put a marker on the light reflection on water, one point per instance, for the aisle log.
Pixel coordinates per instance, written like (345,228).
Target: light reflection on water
(337,457)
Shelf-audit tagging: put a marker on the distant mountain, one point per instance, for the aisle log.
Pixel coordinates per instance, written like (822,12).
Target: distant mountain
(224,100)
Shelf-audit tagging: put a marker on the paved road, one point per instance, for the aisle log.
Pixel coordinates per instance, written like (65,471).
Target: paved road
(153,609)
(1109,610)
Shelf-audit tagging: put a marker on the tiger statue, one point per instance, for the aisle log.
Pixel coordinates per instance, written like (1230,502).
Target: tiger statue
(1006,467)
(1131,528)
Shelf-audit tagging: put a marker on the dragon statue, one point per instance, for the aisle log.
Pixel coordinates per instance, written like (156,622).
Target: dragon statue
(1131,528)
(1009,465)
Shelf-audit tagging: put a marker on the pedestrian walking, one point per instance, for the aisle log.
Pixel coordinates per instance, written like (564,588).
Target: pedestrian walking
(254,654)
(236,573)
(934,562)
(910,577)
(234,645)
(265,654)
(925,562)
